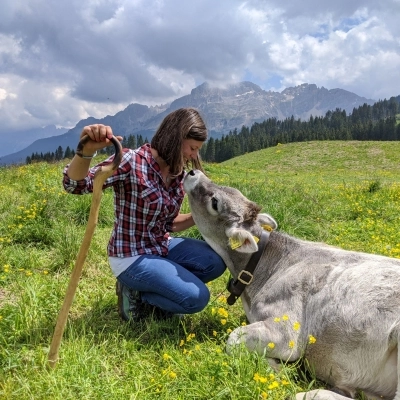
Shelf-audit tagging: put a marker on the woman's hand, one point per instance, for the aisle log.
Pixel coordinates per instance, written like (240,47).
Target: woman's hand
(100,137)
(182,222)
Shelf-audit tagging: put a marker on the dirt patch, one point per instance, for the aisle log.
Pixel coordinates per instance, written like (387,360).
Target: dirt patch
(4,297)
(374,151)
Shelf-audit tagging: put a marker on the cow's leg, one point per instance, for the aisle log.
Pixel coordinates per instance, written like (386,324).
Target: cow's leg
(320,394)
(269,339)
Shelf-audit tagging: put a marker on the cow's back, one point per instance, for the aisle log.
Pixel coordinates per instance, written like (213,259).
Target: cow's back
(348,301)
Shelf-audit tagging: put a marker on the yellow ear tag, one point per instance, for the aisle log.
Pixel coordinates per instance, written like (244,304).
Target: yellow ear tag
(267,228)
(234,243)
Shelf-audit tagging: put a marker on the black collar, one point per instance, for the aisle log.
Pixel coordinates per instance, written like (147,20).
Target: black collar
(236,286)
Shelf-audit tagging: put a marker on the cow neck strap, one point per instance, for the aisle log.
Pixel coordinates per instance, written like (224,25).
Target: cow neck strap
(236,286)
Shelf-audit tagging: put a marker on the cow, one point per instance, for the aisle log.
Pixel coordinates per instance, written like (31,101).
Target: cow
(337,309)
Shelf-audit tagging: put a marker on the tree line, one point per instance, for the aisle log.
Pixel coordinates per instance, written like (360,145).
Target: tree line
(381,121)
(132,141)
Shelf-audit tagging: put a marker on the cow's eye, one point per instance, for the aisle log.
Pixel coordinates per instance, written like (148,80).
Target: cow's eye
(214,203)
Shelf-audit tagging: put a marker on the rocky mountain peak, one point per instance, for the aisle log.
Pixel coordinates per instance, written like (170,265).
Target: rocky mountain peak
(223,108)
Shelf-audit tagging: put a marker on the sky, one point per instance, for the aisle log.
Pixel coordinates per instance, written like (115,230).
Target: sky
(62,61)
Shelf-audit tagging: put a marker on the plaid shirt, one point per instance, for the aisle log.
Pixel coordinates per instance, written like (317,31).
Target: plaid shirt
(144,208)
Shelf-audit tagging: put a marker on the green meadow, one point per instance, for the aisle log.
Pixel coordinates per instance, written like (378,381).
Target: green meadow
(343,193)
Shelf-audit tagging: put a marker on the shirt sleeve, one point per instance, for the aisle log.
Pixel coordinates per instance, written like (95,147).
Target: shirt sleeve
(85,185)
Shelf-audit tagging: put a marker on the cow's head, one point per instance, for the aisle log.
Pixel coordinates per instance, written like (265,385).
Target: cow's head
(227,220)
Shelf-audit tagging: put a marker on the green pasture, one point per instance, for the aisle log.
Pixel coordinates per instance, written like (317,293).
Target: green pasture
(343,193)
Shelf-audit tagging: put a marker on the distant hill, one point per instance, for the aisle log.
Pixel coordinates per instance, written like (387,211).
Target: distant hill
(223,109)
(19,140)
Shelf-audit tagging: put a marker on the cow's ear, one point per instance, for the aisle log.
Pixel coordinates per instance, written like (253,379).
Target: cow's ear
(241,240)
(267,222)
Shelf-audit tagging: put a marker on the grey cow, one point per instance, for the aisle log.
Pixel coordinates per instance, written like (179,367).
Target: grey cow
(348,301)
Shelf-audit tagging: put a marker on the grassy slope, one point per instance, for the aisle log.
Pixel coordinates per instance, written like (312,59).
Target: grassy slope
(330,159)
(344,193)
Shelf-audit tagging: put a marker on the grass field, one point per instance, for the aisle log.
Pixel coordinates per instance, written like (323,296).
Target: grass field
(342,193)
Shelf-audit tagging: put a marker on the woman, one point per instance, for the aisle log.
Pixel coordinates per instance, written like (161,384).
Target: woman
(156,273)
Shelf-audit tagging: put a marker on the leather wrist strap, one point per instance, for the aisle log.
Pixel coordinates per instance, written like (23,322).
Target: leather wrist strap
(79,153)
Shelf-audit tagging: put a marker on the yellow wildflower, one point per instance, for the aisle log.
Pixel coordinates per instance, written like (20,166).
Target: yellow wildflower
(285,317)
(190,337)
(271,345)
(223,321)
(273,385)
(311,339)
(291,344)
(222,299)
(296,326)
(166,356)
(222,312)
(277,319)
(256,377)
(172,375)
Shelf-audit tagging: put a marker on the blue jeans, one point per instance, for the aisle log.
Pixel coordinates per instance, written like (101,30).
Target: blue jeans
(176,283)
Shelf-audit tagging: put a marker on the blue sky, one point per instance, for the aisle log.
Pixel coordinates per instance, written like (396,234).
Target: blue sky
(61,61)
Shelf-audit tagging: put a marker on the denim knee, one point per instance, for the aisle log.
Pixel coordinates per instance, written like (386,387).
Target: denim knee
(198,303)
(217,268)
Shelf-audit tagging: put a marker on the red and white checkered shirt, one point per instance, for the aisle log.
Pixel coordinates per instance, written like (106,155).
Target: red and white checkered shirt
(144,208)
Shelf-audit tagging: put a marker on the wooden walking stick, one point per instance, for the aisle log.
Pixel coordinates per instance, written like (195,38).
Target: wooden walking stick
(101,175)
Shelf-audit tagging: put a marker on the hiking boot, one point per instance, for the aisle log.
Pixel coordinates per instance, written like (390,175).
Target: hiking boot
(130,306)
(159,314)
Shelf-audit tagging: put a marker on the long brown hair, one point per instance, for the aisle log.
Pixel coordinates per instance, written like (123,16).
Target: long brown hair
(184,123)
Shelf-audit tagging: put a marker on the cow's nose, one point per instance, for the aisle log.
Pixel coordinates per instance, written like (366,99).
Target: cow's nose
(191,172)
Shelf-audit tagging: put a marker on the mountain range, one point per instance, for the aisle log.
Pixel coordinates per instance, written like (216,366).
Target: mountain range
(223,109)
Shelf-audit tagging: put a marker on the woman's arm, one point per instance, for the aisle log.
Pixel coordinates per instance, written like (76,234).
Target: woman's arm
(182,222)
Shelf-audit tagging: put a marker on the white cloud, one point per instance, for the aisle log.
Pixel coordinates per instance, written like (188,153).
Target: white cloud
(63,61)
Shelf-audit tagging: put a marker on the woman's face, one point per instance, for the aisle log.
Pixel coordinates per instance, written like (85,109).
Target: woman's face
(190,149)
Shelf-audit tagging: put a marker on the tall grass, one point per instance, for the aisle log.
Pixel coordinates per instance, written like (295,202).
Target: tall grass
(342,193)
